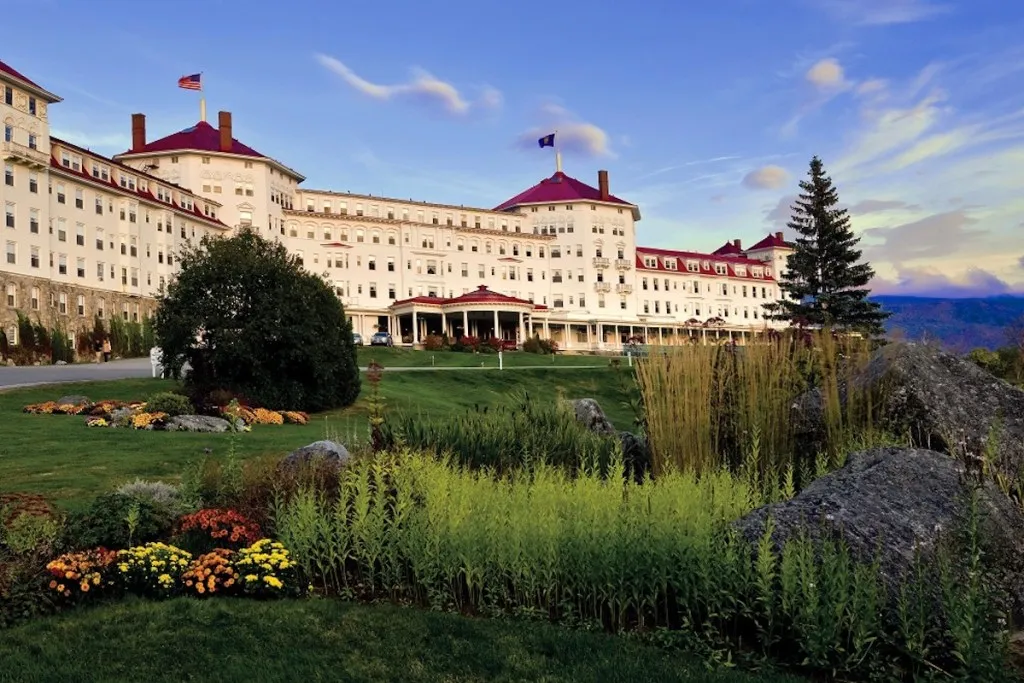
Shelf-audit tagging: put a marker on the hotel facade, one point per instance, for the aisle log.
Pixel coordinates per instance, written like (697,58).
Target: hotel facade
(87,235)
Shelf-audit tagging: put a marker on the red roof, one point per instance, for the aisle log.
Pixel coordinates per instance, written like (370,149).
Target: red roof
(147,194)
(559,188)
(481,295)
(705,262)
(728,249)
(201,137)
(10,71)
(772,242)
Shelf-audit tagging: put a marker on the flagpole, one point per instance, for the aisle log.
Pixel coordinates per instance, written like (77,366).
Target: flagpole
(202,99)
(558,154)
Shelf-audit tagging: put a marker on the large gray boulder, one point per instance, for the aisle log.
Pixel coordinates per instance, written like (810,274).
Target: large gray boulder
(898,501)
(589,412)
(197,423)
(942,401)
(330,452)
(73,400)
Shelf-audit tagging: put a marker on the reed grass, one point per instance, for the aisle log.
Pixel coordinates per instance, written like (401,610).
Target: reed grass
(707,407)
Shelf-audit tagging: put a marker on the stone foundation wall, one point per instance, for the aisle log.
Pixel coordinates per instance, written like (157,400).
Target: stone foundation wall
(48,310)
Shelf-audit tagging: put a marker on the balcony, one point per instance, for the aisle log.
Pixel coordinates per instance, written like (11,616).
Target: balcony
(624,289)
(623,263)
(18,153)
(600,262)
(603,286)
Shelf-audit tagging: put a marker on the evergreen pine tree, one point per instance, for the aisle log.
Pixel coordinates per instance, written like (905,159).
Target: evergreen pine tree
(826,283)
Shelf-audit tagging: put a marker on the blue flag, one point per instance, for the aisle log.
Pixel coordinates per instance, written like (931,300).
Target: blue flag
(547,141)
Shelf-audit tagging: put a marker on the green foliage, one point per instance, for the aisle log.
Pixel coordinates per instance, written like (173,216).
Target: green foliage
(825,284)
(527,432)
(170,403)
(537,345)
(248,318)
(654,555)
(5,347)
(436,342)
(131,339)
(1006,363)
(105,522)
(61,348)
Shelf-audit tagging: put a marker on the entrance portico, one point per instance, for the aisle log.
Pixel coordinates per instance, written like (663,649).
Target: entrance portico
(481,313)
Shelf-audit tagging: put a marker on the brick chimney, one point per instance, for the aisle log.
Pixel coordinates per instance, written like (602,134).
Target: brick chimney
(138,131)
(602,185)
(738,244)
(224,124)
(778,235)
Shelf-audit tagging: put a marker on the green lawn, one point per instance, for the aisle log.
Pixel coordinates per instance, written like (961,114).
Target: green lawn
(404,358)
(60,457)
(325,640)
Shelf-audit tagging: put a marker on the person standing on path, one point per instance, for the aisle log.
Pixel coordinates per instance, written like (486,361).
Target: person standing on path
(106,349)
(97,348)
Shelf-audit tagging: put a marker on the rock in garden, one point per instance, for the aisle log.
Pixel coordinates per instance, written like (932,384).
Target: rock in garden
(197,423)
(898,500)
(589,412)
(944,402)
(73,400)
(328,451)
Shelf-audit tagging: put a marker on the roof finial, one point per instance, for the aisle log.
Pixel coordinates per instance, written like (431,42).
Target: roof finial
(558,161)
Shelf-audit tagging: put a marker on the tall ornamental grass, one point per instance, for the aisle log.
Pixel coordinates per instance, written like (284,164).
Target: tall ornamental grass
(708,407)
(656,555)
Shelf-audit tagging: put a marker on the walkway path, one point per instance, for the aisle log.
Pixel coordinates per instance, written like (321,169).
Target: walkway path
(133,368)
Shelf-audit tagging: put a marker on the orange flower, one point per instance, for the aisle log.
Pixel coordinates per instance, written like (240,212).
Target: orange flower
(53,584)
(84,586)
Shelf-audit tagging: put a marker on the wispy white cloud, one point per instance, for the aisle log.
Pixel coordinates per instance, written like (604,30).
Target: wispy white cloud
(883,12)
(118,141)
(824,80)
(686,164)
(423,88)
(572,134)
(933,282)
(826,74)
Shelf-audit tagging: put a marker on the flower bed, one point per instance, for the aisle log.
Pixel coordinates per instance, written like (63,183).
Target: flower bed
(134,415)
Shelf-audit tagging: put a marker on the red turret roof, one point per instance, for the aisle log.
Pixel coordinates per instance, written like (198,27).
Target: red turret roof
(728,249)
(559,188)
(201,137)
(772,242)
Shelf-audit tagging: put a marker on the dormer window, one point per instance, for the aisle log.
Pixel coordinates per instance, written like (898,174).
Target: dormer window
(721,269)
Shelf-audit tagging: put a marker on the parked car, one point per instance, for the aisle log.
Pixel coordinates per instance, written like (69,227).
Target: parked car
(357,339)
(382,339)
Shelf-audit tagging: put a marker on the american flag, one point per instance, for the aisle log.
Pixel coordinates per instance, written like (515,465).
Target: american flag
(193,82)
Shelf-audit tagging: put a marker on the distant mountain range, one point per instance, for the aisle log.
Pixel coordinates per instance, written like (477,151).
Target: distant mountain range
(958,324)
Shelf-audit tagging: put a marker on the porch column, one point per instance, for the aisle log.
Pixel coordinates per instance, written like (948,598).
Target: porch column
(660,339)
(522,328)
(497,330)
(444,324)
(465,323)
(415,328)
(590,342)
(547,330)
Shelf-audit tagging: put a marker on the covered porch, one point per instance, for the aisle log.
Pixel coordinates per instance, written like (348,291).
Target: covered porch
(482,314)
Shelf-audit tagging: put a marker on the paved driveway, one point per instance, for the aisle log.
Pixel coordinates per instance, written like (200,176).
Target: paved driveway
(88,372)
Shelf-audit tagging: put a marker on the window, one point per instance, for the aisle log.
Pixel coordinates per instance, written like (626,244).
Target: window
(8,95)
(62,264)
(80,267)
(80,234)
(34,257)
(32,105)
(245,219)
(99,271)
(12,295)
(81,304)
(391,264)
(79,199)
(9,175)
(32,141)
(35,299)
(33,183)
(371,262)
(9,215)
(62,304)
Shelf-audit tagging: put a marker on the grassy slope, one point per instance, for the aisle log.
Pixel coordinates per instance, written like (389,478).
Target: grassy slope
(58,456)
(239,640)
(404,358)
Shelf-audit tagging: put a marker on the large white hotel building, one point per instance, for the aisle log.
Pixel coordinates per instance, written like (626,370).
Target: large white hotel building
(86,235)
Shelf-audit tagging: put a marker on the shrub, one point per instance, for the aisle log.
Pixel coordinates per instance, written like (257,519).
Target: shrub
(211,528)
(527,432)
(266,328)
(469,343)
(152,569)
(27,533)
(106,522)
(5,348)
(435,342)
(170,403)
(75,575)
(266,570)
(161,494)
(540,346)
(211,573)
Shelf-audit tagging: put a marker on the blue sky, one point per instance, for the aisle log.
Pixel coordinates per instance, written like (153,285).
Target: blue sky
(704,113)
